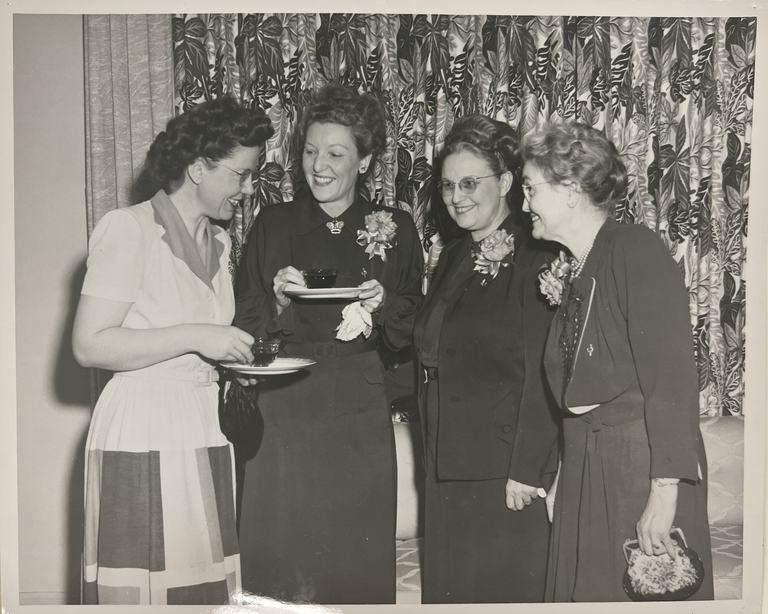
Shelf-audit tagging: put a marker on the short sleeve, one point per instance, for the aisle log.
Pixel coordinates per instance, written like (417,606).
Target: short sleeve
(116,258)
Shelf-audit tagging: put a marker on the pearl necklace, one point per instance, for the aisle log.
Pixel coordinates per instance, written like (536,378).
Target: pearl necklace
(581,261)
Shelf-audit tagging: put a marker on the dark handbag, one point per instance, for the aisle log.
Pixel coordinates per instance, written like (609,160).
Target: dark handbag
(659,578)
(239,416)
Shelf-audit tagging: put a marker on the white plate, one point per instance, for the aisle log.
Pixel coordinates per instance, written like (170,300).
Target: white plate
(281,366)
(302,292)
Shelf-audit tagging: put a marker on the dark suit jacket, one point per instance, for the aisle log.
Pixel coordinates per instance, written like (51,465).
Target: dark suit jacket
(636,351)
(496,411)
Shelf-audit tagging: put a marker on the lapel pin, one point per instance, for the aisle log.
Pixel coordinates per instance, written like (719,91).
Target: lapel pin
(590,349)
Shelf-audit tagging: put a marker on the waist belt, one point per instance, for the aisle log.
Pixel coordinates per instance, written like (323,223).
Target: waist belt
(322,349)
(201,377)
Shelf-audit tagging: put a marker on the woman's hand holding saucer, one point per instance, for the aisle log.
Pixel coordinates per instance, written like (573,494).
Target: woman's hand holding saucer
(224,343)
(372,295)
(287,275)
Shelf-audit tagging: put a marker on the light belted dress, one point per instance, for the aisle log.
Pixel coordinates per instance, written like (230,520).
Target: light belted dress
(159,475)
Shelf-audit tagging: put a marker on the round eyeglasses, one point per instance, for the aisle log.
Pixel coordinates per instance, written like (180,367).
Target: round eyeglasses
(244,176)
(467,184)
(528,188)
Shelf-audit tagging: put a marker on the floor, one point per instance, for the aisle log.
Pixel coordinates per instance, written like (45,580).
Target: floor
(727,553)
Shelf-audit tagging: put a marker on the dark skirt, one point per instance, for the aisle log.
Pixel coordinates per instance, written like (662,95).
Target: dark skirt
(476,550)
(601,494)
(319,499)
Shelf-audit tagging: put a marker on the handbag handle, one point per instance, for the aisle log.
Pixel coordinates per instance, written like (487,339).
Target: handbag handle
(632,544)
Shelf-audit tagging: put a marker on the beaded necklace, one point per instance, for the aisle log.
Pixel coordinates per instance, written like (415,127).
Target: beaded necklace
(581,261)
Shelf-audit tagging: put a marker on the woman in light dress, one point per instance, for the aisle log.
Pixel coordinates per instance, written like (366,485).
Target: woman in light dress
(156,308)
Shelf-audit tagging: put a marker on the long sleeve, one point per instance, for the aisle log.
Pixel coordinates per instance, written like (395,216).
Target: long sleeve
(653,299)
(397,315)
(537,427)
(255,309)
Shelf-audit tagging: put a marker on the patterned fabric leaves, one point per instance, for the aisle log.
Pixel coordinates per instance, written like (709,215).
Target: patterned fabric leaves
(674,94)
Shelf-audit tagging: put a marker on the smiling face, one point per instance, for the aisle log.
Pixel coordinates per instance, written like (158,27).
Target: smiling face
(482,211)
(331,164)
(548,205)
(221,192)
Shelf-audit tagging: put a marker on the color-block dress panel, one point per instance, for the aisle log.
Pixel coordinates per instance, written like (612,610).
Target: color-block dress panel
(159,476)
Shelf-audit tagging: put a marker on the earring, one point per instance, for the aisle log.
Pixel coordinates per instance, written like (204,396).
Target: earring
(363,169)
(570,202)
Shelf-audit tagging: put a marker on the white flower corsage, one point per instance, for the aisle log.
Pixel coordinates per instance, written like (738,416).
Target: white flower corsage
(493,250)
(378,235)
(553,277)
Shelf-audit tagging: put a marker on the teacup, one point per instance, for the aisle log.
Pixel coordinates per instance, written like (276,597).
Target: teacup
(320,278)
(265,351)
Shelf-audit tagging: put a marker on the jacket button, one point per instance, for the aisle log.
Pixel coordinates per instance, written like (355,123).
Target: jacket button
(506,428)
(450,351)
(455,398)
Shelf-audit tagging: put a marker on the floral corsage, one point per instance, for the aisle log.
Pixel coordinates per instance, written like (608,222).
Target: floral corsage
(553,277)
(378,235)
(491,253)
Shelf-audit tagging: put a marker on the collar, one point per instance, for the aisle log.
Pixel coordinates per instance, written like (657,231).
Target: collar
(311,216)
(181,242)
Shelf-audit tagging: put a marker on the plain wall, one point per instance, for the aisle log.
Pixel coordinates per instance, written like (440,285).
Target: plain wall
(53,392)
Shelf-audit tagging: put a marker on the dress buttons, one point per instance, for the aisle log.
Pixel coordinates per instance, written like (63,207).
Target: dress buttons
(455,398)
(506,428)
(450,351)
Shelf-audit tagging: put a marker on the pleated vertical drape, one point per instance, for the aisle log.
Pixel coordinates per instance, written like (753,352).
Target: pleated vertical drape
(128,100)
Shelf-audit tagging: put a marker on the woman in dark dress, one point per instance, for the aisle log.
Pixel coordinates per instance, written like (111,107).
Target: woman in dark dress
(319,510)
(620,362)
(485,406)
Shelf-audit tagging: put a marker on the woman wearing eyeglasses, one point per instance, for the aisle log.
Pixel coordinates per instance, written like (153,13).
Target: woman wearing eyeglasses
(489,428)
(620,361)
(319,511)
(156,308)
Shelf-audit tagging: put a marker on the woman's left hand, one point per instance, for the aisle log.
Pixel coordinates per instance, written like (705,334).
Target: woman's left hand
(519,495)
(655,523)
(372,295)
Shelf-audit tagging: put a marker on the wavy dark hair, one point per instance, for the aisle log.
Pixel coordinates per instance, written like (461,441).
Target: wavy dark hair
(212,129)
(361,113)
(576,152)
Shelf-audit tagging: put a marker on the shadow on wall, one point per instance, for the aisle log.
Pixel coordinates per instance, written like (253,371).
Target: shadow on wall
(71,382)
(72,387)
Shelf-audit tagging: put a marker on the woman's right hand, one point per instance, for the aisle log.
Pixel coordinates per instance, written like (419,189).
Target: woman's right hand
(225,343)
(287,275)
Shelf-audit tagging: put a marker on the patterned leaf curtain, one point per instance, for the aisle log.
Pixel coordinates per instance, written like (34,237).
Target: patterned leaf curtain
(674,94)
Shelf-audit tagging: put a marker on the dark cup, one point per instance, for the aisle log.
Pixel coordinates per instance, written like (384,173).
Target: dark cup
(265,351)
(320,278)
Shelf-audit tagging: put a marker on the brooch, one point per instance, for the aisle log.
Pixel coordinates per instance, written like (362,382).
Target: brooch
(335,226)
